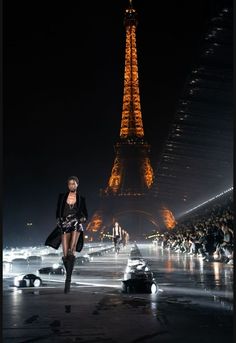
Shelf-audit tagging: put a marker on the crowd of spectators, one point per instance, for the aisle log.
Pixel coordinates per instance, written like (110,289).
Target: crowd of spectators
(207,232)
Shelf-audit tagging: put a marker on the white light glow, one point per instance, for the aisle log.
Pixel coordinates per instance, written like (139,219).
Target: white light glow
(37,283)
(97,284)
(55,266)
(17,280)
(153,288)
(207,201)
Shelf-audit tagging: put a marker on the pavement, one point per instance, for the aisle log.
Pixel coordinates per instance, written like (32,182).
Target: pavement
(194,303)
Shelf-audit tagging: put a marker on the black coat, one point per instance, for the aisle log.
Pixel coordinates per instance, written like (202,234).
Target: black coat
(54,239)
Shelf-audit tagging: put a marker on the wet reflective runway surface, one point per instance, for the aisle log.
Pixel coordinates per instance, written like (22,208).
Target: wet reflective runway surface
(197,299)
(194,303)
(190,276)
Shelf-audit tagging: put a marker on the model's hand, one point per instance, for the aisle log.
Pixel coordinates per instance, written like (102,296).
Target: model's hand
(82,219)
(58,221)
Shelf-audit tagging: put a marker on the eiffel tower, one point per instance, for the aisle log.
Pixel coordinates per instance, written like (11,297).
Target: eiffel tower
(127,196)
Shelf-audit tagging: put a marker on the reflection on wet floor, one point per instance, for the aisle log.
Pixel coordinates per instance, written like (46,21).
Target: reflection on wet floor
(214,274)
(194,303)
(211,283)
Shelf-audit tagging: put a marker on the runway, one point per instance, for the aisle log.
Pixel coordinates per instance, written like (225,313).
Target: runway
(194,304)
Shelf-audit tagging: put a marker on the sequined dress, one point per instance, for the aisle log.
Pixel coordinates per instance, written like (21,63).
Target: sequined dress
(70,221)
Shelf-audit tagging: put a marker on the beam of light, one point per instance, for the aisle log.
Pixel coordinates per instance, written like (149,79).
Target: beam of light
(207,201)
(97,284)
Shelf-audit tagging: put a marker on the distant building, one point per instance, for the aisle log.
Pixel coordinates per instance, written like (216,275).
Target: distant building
(197,159)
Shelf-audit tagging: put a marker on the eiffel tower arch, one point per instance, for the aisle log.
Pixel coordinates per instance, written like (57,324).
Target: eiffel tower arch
(128,196)
(134,215)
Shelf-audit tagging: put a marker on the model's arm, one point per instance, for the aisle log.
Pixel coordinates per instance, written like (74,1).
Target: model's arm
(84,208)
(58,206)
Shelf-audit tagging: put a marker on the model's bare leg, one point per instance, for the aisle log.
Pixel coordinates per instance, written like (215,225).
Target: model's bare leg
(65,242)
(74,240)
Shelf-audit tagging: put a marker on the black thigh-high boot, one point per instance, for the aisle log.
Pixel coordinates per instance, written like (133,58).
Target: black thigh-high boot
(64,259)
(65,262)
(70,266)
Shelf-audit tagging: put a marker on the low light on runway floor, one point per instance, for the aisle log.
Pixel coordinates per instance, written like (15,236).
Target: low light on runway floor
(195,303)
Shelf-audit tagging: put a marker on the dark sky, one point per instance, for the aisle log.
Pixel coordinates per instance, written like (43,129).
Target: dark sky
(63,83)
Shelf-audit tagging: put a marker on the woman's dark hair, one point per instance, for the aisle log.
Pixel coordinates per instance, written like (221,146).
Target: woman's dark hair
(73,178)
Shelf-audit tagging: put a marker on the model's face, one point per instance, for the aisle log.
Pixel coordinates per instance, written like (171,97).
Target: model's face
(72,185)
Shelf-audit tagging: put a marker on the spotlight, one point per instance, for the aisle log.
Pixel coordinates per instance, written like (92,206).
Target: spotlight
(28,280)
(154,288)
(55,266)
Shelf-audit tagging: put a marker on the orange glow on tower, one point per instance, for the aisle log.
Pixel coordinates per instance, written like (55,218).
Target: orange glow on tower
(131,122)
(168,218)
(132,173)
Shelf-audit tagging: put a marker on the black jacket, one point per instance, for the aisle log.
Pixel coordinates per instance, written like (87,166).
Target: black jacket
(54,239)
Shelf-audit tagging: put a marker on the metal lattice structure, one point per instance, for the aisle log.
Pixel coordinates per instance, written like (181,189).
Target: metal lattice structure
(131,122)
(132,173)
(132,176)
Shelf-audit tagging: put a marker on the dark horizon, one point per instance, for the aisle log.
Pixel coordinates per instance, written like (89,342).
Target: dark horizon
(64,88)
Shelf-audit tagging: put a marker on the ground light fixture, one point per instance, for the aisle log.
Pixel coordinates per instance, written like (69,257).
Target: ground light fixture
(27,280)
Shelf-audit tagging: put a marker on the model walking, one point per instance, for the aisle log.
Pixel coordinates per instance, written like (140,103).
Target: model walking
(116,234)
(71,212)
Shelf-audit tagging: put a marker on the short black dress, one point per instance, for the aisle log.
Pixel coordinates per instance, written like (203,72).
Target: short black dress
(70,221)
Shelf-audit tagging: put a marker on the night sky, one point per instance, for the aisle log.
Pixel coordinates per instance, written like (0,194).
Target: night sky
(64,68)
